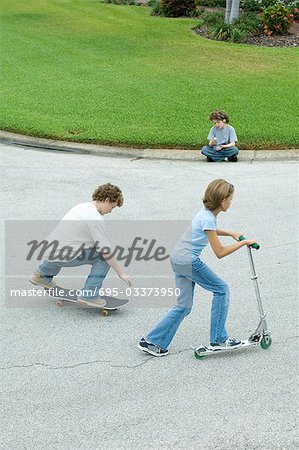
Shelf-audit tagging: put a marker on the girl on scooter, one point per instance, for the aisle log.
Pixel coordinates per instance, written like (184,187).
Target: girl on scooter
(189,270)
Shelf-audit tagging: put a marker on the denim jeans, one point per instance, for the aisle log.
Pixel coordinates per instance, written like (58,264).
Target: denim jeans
(99,270)
(221,155)
(186,276)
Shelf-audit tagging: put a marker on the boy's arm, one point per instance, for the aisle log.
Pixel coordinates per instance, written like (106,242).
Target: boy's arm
(212,138)
(221,251)
(231,144)
(109,258)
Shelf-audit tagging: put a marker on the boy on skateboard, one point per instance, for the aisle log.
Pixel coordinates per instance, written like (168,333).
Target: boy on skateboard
(189,270)
(82,232)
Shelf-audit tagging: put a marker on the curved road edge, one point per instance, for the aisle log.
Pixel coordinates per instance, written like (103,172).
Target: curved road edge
(105,150)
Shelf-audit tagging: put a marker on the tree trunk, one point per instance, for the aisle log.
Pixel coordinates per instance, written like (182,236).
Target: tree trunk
(228,10)
(234,14)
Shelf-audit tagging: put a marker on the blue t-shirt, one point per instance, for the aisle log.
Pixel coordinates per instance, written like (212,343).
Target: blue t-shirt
(195,239)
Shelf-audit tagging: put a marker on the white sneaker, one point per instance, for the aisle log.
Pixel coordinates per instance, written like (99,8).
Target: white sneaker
(229,343)
(38,280)
(151,348)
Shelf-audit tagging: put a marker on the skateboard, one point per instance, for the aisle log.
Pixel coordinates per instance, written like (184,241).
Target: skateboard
(69,295)
(202,351)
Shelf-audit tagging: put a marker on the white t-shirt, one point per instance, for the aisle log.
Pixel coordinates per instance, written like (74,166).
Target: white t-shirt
(81,228)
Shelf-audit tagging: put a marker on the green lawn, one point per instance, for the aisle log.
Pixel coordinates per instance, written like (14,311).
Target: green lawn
(87,71)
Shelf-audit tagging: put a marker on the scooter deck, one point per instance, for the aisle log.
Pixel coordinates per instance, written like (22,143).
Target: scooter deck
(203,350)
(69,295)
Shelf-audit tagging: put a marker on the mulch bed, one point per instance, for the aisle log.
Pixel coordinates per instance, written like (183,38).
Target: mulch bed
(289,40)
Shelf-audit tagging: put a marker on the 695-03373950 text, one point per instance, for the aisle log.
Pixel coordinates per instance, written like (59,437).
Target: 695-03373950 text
(110,292)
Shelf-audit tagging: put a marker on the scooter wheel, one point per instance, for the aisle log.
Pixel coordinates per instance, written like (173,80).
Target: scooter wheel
(198,356)
(266,341)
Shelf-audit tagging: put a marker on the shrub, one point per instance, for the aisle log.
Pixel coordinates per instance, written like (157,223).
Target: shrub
(157,9)
(196,13)
(238,30)
(227,32)
(211,3)
(267,3)
(178,8)
(212,18)
(250,23)
(260,5)
(122,2)
(277,20)
(251,5)
(294,8)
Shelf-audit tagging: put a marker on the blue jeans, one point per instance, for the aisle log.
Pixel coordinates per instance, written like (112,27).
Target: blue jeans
(186,275)
(94,281)
(221,155)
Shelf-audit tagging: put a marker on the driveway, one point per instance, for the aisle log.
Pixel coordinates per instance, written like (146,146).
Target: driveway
(71,379)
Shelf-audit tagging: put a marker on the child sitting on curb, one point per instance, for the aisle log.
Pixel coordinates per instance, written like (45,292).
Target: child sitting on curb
(222,139)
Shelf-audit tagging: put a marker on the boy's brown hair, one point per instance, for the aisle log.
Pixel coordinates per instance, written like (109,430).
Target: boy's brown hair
(219,115)
(110,192)
(217,191)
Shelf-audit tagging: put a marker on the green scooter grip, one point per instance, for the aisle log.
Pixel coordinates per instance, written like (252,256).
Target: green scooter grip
(256,246)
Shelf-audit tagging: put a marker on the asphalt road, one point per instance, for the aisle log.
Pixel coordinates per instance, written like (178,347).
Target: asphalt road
(71,379)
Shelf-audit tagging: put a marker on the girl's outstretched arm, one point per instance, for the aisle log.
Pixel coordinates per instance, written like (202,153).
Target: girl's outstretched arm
(221,251)
(232,234)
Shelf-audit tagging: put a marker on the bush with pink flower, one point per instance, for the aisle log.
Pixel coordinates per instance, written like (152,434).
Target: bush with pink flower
(294,8)
(277,20)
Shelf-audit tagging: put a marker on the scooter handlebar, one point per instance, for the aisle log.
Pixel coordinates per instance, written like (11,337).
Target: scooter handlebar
(256,246)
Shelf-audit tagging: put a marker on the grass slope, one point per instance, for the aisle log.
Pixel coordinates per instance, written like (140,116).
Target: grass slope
(87,71)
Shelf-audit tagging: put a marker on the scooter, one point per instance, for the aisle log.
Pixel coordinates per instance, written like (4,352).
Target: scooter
(261,336)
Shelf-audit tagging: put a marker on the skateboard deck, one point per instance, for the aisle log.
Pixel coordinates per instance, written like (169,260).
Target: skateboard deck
(202,350)
(69,295)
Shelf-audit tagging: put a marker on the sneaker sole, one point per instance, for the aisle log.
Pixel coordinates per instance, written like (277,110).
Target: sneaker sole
(146,350)
(41,285)
(215,349)
(91,304)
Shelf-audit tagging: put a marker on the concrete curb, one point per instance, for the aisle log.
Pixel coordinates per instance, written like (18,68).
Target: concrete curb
(104,150)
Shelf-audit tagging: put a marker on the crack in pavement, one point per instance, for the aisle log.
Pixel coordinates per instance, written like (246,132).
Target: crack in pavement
(50,367)
(287,339)
(124,366)
(150,358)
(55,367)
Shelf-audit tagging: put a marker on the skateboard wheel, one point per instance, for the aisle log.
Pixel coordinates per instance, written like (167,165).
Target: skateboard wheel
(198,356)
(60,303)
(266,341)
(104,312)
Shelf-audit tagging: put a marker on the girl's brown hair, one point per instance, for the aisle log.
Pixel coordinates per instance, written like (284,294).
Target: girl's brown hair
(216,192)
(110,192)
